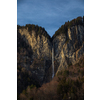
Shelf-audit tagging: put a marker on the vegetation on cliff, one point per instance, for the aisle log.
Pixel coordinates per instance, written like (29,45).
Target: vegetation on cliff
(64,28)
(67,85)
(25,76)
(38,29)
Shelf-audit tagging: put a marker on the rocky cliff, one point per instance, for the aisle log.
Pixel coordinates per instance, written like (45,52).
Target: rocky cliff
(69,47)
(34,48)
(41,47)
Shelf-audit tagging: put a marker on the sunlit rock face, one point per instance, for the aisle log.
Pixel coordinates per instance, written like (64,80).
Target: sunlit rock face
(41,47)
(69,47)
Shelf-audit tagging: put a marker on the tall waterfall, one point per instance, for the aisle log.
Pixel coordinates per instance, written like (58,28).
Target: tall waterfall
(52,62)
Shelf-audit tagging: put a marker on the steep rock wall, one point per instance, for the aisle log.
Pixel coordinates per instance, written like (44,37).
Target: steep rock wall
(42,52)
(40,45)
(69,47)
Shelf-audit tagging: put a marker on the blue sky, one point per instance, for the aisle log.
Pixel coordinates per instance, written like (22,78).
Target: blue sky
(50,14)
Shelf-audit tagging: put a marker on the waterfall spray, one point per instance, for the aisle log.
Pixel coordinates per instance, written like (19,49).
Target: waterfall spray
(52,62)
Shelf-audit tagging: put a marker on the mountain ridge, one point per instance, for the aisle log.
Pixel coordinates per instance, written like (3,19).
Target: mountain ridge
(76,21)
(34,51)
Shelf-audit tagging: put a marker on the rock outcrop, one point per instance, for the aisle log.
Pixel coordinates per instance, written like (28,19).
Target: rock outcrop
(68,44)
(41,51)
(69,47)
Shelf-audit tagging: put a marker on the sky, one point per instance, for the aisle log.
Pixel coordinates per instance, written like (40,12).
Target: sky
(50,14)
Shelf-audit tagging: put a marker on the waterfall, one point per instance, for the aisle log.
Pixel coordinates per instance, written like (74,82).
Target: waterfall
(52,62)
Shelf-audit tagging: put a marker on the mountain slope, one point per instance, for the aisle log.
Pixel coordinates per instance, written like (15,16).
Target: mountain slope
(34,54)
(68,42)
(66,85)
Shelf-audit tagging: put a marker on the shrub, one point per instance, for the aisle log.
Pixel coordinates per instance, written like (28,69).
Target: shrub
(62,87)
(32,86)
(59,73)
(69,88)
(66,73)
(64,97)
(24,91)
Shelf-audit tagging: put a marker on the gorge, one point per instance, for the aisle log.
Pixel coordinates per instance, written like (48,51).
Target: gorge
(40,57)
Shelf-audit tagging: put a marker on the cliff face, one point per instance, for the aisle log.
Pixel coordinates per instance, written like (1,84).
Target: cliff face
(69,47)
(41,47)
(68,44)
